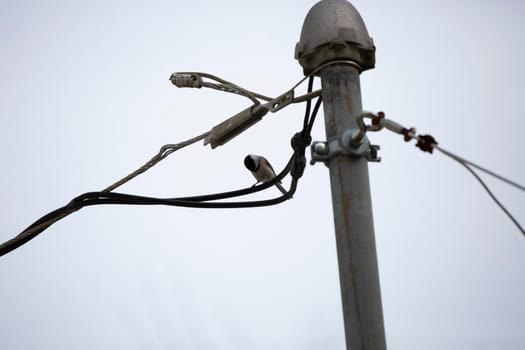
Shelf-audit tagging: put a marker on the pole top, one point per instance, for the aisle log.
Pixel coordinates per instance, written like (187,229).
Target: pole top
(334,30)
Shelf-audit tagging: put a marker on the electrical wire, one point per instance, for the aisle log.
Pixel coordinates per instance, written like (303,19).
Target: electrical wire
(427,143)
(309,120)
(307,97)
(308,104)
(467,165)
(479,167)
(295,167)
(226,88)
(106,197)
(164,152)
(229,87)
(487,189)
(321,67)
(314,113)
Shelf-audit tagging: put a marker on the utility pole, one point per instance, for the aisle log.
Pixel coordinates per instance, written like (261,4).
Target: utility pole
(333,31)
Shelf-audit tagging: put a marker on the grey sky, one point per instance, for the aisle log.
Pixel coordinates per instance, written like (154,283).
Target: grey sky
(86,99)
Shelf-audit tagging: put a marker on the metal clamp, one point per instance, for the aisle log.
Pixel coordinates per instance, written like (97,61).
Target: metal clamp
(351,143)
(280,102)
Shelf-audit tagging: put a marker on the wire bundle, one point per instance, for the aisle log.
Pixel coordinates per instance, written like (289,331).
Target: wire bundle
(295,167)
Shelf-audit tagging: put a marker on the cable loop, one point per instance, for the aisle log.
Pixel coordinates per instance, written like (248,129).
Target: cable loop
(376,121)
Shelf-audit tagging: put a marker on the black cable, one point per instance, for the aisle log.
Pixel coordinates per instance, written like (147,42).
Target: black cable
(314,113)
(244,191)
(125,199)
(308,103)
(106,198)
(295,167)
(203,201)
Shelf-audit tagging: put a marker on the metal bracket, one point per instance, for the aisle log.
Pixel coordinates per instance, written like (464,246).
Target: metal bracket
(280,102)
(351,143)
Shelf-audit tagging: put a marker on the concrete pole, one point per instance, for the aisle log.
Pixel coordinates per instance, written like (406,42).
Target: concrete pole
(334,31)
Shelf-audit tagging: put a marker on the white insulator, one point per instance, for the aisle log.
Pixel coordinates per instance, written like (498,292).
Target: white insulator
(393,126)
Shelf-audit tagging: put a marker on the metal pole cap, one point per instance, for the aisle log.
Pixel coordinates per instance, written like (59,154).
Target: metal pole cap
(334,30)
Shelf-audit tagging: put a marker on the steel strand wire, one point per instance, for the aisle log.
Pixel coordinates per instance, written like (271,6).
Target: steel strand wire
(165,151)
(227,86)
(427,143)
(479,167)
(468,165)
(106,196)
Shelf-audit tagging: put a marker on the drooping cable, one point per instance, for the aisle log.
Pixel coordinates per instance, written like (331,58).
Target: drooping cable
(427,143)
(295,167)
(479,167)
(107,197)
(484,185)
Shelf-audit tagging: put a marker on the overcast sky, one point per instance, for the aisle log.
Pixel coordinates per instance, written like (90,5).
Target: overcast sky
(85,99)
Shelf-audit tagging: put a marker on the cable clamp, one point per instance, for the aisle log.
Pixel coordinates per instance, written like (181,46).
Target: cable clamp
(352,143)
(183,80)
(280,102)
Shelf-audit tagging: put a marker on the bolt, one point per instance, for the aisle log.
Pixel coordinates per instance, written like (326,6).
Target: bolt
(320,148)
(372,153)
(357,138)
